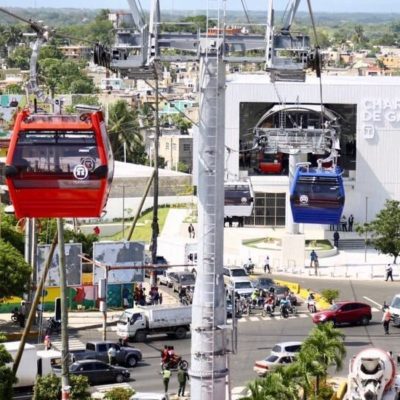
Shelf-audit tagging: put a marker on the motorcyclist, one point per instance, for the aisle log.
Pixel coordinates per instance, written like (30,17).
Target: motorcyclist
(284,306)
(249,266)
(269,303)
(254,296)
(311,302)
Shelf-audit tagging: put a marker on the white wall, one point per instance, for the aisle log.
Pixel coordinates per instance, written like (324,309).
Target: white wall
(378,130)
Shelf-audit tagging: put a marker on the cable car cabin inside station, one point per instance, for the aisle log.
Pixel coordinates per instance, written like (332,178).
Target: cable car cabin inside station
(59,166)
(239,201)
(317,196)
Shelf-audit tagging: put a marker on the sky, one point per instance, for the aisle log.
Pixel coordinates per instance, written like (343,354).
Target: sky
(370,6)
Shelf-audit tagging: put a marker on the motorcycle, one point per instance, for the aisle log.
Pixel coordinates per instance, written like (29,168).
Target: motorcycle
(53,326)
(249,268)
(175,363)
(284,310)
(268,309)
(312,308)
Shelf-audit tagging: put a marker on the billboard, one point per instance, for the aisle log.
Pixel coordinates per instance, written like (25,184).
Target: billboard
(118,254)
(73,264)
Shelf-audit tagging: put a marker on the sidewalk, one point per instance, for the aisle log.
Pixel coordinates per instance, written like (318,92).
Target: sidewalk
(346,264)
(77,319)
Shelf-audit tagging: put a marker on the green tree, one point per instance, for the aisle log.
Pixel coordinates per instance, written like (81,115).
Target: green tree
(7,378)
(330,295)
(182,123)
(101,29)
(119,393)
(385,229)
(65,76)
(19,58)
(278,385)
(14,88)
(123,127)
(50,51)
(9,233)
(325,345)
(48,387)
(14,271)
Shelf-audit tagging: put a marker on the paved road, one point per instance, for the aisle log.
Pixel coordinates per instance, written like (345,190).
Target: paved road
(257,335)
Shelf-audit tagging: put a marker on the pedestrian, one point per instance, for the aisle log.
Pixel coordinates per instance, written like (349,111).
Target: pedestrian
(336,238)
(350,222)
(166,374)
(313,259)
(183,376)
(389,272)
(266,265)
(112,355)
(47,342)
(160,298)
(22,314)
(191,231)
(343,222)
(387,316)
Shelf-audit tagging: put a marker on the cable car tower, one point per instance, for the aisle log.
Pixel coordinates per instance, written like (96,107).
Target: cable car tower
(137,54)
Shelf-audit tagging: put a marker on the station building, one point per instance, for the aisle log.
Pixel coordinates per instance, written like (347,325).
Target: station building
(368,110)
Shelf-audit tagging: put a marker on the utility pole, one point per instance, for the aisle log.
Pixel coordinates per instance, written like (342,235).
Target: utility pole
(154,225)
(65,387)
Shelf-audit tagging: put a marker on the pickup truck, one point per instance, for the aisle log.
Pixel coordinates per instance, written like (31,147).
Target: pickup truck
(98,350)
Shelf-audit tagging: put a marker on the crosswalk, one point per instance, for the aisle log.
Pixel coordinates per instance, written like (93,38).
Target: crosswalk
(73,343)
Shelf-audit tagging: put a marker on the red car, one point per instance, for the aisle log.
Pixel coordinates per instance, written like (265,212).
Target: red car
(345,312)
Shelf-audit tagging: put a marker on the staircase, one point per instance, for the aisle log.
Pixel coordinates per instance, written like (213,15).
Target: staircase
(352,244)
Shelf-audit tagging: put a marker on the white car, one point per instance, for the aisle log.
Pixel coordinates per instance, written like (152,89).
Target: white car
(286,348)
(232,273)
(242,286)
(263,367)
(165,278)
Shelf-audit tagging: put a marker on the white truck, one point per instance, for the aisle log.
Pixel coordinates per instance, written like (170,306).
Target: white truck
(139,322)
(33,363)
(178,251)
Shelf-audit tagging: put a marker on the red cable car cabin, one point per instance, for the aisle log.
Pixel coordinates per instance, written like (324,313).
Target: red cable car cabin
(59,166)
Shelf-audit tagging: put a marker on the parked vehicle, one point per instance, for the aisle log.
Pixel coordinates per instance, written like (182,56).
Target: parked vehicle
(98,350)
(182,280)
(349,312)
(98,372)
(33,363)
(395,309)
(165,278)
(139,322)
(160,260)
(263,367)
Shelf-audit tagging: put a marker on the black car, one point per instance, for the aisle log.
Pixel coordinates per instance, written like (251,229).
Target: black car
(160,260)
(99,372)
(264,283)
(283,291)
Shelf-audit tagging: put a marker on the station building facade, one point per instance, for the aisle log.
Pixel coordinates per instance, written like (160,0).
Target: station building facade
(368,110)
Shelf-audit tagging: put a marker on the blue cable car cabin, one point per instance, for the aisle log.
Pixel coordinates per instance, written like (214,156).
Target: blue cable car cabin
(317,195)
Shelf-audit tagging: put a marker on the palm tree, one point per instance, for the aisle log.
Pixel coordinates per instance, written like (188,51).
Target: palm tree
(123,127)
(278,385)
(325,346)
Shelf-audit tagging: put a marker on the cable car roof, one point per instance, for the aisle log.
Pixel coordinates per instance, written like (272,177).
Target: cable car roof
(55,122)
(328,114)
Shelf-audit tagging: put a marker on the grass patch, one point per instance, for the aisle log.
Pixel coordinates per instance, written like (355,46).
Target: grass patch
(143,229)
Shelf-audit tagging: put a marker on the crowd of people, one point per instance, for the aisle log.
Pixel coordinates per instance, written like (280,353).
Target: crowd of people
(141,298)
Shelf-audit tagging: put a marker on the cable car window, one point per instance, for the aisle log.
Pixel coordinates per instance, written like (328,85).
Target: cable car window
(56,152)
(321,188)
(236,195)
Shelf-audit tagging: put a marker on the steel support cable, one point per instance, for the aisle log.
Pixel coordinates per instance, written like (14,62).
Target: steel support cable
(245,11)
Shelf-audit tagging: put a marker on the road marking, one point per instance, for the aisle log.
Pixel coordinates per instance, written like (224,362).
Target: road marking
(372,301)
(73,343)
(254,319)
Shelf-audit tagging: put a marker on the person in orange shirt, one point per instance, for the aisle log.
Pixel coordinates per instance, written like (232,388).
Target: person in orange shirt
(387,316)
